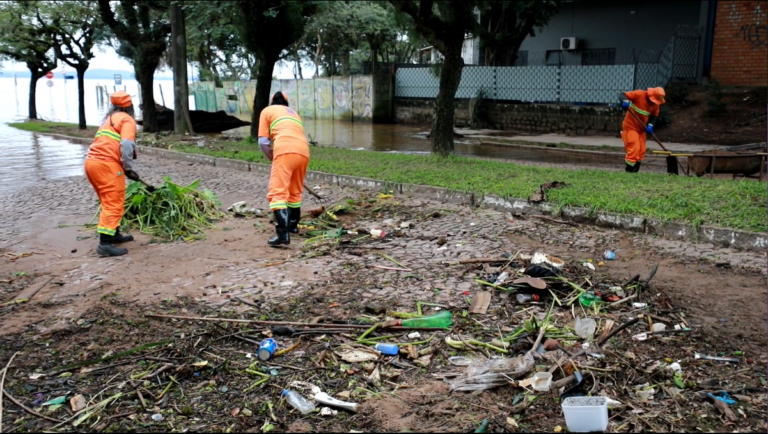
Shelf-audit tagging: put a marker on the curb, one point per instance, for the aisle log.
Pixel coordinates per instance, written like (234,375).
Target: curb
(721,237)
(740,240)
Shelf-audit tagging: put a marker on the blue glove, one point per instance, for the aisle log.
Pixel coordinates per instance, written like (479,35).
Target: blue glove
(625,105)
(649,129)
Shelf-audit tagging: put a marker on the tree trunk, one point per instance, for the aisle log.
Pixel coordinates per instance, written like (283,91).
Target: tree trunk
(34,76)
(81,97)
(145,77)
(179,62)
(264,70)
(441,135)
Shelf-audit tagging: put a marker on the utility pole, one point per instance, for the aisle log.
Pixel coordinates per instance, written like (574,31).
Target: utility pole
(181,121)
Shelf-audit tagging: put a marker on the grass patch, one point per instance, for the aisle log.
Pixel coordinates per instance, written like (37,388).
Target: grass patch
(739,204)
(45,127)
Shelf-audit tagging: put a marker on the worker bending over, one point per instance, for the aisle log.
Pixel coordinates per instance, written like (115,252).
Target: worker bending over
(642,111)
(108,162)
(289,153)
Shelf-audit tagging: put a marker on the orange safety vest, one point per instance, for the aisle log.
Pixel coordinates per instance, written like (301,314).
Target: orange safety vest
(106,146)
(284,127)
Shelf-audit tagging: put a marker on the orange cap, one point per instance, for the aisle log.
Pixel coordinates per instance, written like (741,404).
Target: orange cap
(657,95)
(120,99)
(284,97)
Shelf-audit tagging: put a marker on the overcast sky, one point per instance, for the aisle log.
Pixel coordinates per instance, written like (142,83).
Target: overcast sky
(108,59)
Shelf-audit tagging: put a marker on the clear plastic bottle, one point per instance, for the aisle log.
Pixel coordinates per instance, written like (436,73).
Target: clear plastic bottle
(526,298)
(298,402)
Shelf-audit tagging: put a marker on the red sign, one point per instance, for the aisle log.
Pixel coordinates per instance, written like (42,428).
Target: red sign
(49,75)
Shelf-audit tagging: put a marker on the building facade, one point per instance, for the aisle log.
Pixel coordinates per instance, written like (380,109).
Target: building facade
(740,43)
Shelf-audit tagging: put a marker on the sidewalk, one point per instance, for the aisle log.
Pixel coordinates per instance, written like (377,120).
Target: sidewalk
(595,141)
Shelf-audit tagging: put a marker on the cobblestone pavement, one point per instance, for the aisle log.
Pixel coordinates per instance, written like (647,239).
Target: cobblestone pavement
(235,262)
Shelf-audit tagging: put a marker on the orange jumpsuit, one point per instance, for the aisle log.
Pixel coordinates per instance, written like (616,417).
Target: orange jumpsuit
(104,167)
(283,126)
(633,133)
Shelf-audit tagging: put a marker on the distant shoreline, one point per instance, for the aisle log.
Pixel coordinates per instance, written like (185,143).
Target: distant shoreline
(97,74)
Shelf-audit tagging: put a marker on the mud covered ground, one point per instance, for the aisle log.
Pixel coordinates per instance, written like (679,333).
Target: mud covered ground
(86,332)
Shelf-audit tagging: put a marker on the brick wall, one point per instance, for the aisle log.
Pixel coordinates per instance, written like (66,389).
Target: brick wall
(521,117)
(740,43)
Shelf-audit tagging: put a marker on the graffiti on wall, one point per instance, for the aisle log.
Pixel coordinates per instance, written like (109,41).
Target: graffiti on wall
(335,98)
(755,35)
(362,98)
(306,99)
(750,28)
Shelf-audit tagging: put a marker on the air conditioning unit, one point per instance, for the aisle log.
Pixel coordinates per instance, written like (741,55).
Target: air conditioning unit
(568,43)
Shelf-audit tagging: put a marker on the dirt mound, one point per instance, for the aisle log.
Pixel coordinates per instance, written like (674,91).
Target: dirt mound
(713,115)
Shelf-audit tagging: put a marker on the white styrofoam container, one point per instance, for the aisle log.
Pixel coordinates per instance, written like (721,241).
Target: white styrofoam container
(586,413)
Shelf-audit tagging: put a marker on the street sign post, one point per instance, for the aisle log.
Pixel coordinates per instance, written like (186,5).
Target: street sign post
(118,79)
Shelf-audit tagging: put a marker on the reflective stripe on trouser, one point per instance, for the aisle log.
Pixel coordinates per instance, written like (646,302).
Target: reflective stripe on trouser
(634,144)
(286,182)
(108,180)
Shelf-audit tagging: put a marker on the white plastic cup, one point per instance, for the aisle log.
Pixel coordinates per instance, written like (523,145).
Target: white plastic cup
(658,327)
(377,233)
(586,413)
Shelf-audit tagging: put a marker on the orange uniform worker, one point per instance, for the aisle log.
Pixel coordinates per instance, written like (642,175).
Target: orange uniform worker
(645,106)
(109,159)
(290,158)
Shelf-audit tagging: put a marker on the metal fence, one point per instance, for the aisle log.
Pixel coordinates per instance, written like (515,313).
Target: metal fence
(589,76)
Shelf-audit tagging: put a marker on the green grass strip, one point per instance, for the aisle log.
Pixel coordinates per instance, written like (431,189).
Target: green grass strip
(735,204)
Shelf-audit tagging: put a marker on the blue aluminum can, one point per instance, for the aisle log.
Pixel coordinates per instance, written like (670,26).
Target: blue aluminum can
(609,255)
(267,349)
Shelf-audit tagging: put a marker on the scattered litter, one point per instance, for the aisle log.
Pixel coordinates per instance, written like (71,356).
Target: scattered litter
(157,417)
(589,265)
(542,381)
(414,335)
(325,411)
(609,255)
(480,302)
(585,327)
(488,374)
(541,258)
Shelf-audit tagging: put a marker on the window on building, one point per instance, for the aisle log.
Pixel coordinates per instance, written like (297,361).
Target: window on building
(602,56)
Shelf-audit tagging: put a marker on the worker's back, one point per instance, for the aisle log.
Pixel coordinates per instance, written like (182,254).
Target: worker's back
(284,127)
(106,145)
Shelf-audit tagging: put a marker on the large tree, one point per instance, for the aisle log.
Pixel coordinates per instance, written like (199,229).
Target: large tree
(25,39)
(506,24)
(267,28)
(142,29)
(214,42)
(444,24)
(76,28)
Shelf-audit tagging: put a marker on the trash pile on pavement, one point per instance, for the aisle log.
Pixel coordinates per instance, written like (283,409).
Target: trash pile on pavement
(549,334)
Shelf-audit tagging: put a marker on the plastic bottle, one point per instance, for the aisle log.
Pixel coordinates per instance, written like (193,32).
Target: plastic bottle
(526,298)
(502,277)
(298,402)
(439,320)
(588,299)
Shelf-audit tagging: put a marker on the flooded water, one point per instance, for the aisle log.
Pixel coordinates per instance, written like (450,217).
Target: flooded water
(29,157)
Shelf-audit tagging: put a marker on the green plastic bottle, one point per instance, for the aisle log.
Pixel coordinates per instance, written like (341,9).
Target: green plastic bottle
(589,298)
(440,320)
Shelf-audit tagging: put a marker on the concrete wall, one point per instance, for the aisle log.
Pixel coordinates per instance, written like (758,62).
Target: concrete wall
(618,24)
(740,43)
(334,98)
(523,117)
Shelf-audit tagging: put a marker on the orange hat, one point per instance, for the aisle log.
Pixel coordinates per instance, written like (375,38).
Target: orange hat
(285,97)
(657,95)
(121,99)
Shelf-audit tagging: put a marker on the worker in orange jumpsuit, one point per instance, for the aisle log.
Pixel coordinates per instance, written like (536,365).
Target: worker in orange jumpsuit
(289,153)
(108,163)
(645,106)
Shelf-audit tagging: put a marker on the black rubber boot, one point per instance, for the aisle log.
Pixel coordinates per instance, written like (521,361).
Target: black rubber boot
(629,168)
(637,166)
(119,238)
(107,249)
(281,228)
(294,215)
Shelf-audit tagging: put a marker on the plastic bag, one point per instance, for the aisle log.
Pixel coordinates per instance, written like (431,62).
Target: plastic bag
(487,374)
(585,327)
